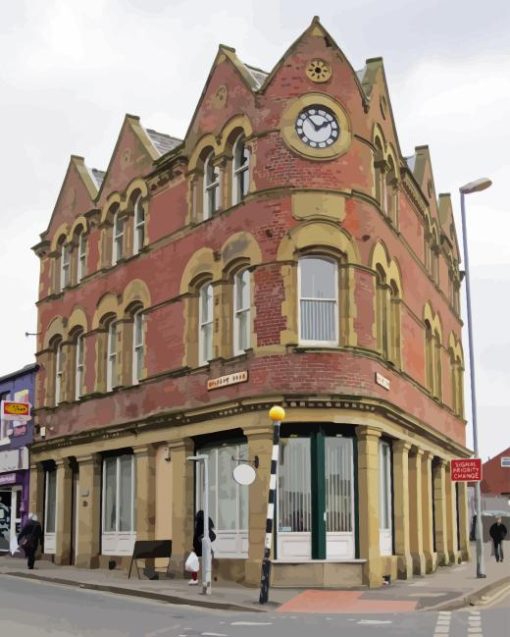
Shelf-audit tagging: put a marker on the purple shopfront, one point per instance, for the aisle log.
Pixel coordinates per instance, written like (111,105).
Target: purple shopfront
(15,437)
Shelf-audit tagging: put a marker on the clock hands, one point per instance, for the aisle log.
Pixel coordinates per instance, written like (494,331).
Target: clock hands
(318,127)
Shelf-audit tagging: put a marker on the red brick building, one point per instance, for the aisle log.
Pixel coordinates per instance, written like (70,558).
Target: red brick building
(496,474)
(285,251)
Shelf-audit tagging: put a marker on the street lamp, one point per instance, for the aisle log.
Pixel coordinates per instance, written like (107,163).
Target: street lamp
(473,186)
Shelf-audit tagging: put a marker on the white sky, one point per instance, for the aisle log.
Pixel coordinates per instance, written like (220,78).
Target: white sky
(70,71)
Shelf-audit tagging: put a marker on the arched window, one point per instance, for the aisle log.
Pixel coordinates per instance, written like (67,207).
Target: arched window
(138,347)
(382,305)
(111,355)
(242,303)
(318,301)
(379,169)
(205,321)
(392,192)
(65,266)
(211,187)
(118,238)
(437,366)
(394,324)
(79,365)
(240,171)
(81,256)
(138,226)
(59,371)
(429,357)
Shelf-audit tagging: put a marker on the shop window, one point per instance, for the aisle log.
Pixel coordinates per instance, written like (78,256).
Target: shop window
(385,500)
(228,501)
(242,304)
(138,347)
(138,226)
(240,171)
(205,320)
(118,505)
(50,511)
(318,301)
(211,187)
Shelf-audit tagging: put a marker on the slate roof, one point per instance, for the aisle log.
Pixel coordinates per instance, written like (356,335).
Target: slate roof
(259,76)
(98,176)
(411,162)
(163,143)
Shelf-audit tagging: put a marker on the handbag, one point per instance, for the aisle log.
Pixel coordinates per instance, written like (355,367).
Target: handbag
(192,565)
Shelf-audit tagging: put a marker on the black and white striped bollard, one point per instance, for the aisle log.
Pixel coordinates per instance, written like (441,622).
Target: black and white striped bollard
(277,414)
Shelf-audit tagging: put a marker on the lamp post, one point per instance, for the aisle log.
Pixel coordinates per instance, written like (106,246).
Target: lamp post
(277,414)
(473,186)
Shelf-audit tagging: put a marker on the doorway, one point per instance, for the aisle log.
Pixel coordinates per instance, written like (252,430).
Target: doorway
(10,516)
(315,507)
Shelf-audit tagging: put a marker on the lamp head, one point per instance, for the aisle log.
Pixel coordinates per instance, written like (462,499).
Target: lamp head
(476,186)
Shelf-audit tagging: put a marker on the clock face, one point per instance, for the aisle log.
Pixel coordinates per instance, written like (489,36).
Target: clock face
(317,126)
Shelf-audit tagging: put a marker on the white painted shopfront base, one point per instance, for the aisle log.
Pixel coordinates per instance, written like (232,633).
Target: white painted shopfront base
(50,543)
(231,544)
(117,543)
(298,546)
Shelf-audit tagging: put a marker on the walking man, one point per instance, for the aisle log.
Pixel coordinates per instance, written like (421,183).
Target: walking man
(498,534)
(30,537)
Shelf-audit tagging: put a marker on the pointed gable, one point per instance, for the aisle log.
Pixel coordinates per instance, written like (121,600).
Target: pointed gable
(228,91)
(134,155)
(315,42)
(76,197)
(422,172)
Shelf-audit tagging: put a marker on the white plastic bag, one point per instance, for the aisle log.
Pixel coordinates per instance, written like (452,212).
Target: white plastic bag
(192,564)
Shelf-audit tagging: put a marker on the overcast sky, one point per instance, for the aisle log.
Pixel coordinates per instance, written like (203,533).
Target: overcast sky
(71,70)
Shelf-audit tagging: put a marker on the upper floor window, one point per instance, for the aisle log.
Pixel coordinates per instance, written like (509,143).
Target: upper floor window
(79,366)
(81,266)
(138,347)
(211,187)
(240,171)
(392,192)
(318,301)
(429,357)
(65,267)
(242,303)
(111,356)
(59,372)
(205,320)
(139,226)
(118,238)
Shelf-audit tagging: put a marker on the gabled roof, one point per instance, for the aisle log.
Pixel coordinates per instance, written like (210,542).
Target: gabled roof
(162,142)
(98,176)
(259,76)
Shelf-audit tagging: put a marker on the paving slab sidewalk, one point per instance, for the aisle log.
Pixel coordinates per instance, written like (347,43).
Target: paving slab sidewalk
(450,587)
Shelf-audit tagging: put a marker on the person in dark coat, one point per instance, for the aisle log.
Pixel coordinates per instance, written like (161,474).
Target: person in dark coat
(198,534)
(30,537)
(498,534)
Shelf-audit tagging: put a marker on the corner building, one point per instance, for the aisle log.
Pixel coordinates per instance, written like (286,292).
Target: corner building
(285,252)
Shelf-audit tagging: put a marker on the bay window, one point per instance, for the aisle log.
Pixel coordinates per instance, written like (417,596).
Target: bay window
(318,301)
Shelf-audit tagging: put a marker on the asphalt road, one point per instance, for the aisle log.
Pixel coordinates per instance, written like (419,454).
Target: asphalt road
(37,609)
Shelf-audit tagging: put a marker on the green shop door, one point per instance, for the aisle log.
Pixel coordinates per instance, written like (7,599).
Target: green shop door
(315,509)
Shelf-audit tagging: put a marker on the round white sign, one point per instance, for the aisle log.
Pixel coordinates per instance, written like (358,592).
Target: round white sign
(244,474)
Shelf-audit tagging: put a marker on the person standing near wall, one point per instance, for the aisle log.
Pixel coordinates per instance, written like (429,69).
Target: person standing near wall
(498,533)
(29,539)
